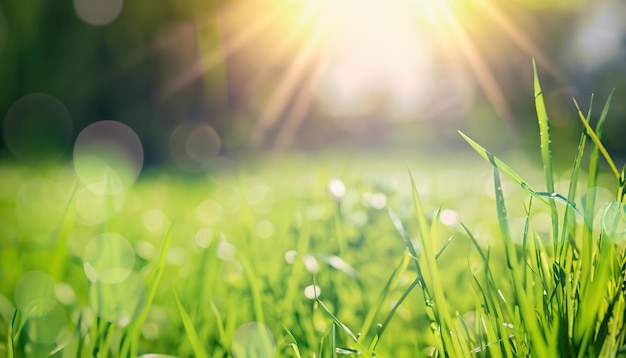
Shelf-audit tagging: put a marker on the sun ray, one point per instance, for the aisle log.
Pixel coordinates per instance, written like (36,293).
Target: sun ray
(297,113)
(280,52)
(206,61)
(518,37)
(287,85)
(483,74)
(346,57)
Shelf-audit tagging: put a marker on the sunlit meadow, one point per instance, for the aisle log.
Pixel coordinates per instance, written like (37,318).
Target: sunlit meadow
(312,178)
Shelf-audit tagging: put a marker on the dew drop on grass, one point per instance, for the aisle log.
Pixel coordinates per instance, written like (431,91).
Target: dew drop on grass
(119,303)
(448,217)
(379,200)
(108,258)
(108,157)
(311,263)
(312,291)
(253,340)
(337,188)
(34,294)
(37,127)
(290,256)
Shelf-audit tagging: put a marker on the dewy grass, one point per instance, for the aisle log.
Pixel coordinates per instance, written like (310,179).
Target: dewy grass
(390,278)
(567,302)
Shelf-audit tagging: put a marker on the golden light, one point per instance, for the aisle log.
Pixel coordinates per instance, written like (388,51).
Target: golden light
(291,60)
(378,56)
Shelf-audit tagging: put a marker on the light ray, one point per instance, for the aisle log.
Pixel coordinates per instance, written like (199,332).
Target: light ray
(287,85)
(204,62)
(297,113)
(280,52)
(518,37)
(483,74)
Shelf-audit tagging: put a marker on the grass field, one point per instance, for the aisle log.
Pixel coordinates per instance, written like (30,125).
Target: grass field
(313,256)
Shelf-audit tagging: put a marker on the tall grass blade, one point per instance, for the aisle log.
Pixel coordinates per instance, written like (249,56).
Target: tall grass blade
(534,329)
(589,204)
(569,221)
(192,335)
(596,139)
(341,325)
(443,248)
(10,336)
(546,155)
(405,237)
(392,282)
(294,344)
(220,323)
(385,323)
(255,290)
(453,342)
(155,281)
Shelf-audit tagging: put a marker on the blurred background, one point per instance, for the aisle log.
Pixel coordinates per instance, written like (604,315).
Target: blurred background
(190,82)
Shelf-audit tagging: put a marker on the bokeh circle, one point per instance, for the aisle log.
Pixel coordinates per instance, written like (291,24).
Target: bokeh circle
(108,157)
(37,127)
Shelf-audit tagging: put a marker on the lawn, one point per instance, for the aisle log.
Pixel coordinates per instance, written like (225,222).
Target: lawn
(320,255)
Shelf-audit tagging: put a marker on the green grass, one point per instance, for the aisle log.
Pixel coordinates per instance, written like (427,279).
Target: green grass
(299,259)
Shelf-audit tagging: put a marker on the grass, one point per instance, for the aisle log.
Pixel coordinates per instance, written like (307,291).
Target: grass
(321,261)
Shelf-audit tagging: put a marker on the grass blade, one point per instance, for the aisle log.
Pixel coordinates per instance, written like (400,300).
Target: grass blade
(157,274)
(344,327)
(596,139)
(500,165)
(546,155)
(196,345)
(294,344)
(443,248)
(405,237)
(392,282)
(514,176)
(220,323)
(535,331)
(453,342)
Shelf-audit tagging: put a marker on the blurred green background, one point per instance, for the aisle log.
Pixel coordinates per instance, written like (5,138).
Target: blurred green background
(201,80)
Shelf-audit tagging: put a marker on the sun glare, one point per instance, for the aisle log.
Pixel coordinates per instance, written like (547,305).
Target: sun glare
(377,57)
(357,61)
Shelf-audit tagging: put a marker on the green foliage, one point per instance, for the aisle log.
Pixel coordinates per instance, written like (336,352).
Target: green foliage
(274,260)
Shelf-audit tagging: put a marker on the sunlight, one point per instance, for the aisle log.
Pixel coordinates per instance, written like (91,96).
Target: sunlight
(379,57)
(360,63)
